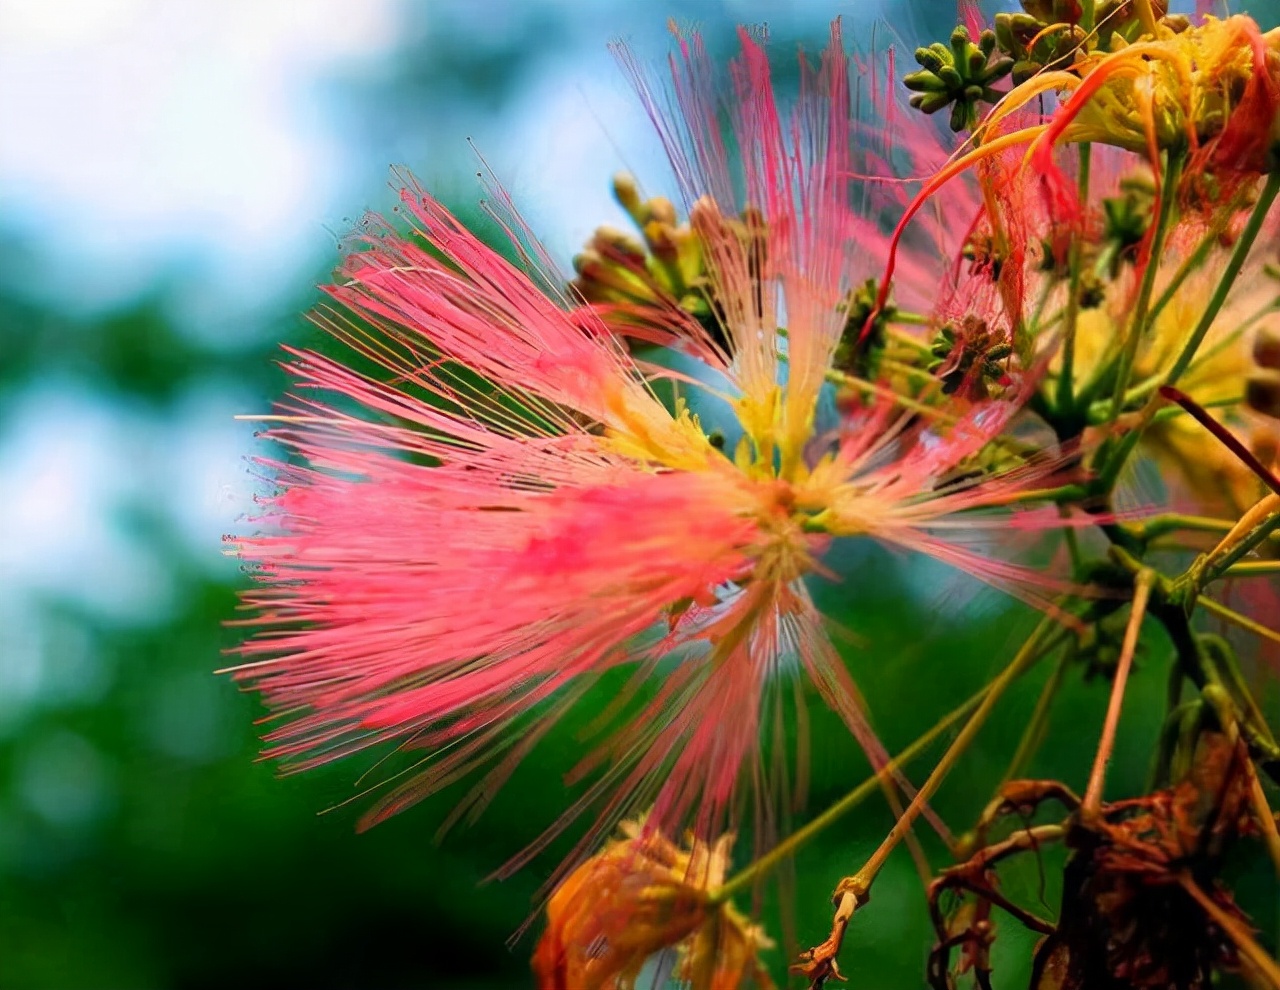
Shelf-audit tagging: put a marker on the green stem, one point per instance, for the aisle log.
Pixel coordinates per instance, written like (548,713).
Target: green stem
(1086,15)
(1253,568)
(1232,339)
(906,339)
(1182,723)
(864,385)
(1173,522)
(1221,659)
(1207,660)
(1238,255)
(788,846)
(1236,619)
(1173,716)
(1100,412)
(1246,545)
(1191,264)
(1173,412)
(1146,388)
(1063,493)
(1033,735)
(1034,648)
(909,371)
(745,877)
(1115,461)
(1138,325)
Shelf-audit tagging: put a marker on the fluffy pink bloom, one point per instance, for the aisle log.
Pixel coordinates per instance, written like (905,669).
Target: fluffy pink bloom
(499,510)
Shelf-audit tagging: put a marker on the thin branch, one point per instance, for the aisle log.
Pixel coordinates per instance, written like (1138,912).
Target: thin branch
(1091,806)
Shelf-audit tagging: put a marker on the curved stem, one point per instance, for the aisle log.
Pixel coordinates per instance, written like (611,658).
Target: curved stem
(1031,650)
(1236,619)
(1173,522)
(1222,435)
(788,846)
(1256,525)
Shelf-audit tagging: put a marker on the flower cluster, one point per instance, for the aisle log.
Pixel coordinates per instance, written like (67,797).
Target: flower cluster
(846,324)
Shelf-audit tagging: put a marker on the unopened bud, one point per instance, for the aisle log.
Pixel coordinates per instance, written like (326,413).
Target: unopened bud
(1266,348)
(627,193)
(610,240)
(660,209)
(661,238)
(587,262)
(1262,393)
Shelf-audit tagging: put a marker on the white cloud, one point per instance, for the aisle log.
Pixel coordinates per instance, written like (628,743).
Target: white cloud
(67,469)
(134,125)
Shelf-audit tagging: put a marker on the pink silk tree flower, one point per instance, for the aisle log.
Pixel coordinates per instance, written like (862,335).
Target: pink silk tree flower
(498,510)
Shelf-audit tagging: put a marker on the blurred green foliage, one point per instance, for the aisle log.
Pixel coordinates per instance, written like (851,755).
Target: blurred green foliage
(143,845)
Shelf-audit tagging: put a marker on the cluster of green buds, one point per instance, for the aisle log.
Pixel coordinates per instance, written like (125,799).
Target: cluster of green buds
(1126,220)
(1118,22)
(959,76)
(666,265)
(861,348)
(663,265)
(969,356)
(1055,258)
(1044,35)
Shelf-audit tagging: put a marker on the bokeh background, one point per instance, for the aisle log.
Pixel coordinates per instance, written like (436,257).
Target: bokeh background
(174,179)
